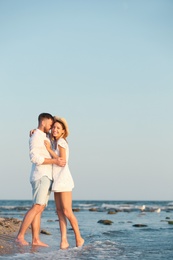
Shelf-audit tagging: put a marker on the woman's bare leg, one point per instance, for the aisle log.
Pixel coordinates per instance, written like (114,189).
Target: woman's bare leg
(62,221)
(66,204)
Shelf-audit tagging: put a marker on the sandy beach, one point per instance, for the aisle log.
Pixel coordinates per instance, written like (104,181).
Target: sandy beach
(8,231)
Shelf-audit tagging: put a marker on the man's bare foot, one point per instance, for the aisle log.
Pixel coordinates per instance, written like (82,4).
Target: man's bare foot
(21,241)
(80,242)
(39,243)
(64,245)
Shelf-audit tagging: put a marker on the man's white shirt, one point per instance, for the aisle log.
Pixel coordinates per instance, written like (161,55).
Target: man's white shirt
(37,153)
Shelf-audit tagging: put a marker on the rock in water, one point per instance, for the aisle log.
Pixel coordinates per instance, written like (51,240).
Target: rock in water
(140,225)
(43,231)
(111,212)
(105,222)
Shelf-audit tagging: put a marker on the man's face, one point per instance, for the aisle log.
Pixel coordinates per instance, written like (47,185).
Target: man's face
(47,125)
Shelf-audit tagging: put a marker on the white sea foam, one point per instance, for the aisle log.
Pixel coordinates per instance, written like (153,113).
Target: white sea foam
(7,207)
(116,206)
(86,205)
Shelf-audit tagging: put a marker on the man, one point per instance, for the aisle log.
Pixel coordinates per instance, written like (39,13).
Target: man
(40,178)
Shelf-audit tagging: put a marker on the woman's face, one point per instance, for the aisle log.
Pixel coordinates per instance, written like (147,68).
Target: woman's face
(57,130)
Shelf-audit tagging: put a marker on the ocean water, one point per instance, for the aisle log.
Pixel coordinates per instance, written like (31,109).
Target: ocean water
(121,240)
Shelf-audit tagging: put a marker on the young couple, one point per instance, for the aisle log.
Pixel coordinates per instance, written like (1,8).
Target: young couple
(47,149)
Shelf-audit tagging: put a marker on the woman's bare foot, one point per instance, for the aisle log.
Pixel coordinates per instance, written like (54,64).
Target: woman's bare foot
(39,243)
(80,242)
(21,241)
(64,245)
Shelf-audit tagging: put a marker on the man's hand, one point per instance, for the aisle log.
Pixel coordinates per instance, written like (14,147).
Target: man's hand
(60,162)
(31,132)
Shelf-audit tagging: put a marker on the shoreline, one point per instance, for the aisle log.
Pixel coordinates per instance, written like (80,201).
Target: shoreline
(8,231)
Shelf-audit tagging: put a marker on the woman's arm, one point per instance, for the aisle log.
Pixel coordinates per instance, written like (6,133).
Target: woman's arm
(48,147)
(62,152)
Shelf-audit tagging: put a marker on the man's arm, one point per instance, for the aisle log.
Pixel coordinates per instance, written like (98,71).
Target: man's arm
(59,161)
(38,159)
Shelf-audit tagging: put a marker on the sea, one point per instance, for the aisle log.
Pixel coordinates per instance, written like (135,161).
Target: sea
(135,230)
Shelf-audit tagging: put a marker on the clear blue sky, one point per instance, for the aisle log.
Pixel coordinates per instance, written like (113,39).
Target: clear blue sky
(104,65)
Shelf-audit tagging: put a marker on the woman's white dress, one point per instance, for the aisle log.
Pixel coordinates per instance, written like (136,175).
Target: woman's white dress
(62,179)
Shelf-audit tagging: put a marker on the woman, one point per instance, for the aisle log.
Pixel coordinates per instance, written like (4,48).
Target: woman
(63,182)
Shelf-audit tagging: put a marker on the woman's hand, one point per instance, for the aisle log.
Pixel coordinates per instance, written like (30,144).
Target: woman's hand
(47,144)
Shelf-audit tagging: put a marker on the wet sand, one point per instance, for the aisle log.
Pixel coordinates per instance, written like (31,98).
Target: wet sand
(8,230)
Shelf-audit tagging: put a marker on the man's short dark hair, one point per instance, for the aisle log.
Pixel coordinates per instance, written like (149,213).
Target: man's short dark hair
(43,116)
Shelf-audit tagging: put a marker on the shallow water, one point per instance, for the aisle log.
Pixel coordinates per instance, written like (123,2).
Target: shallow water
(121,240)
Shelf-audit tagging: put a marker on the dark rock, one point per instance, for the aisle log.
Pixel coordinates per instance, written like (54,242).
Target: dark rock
(43,231)
(170,222)
(127,210)
(105,222)
(140,225)
(112,212)
(76,210)
(70,229)
(93,209)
